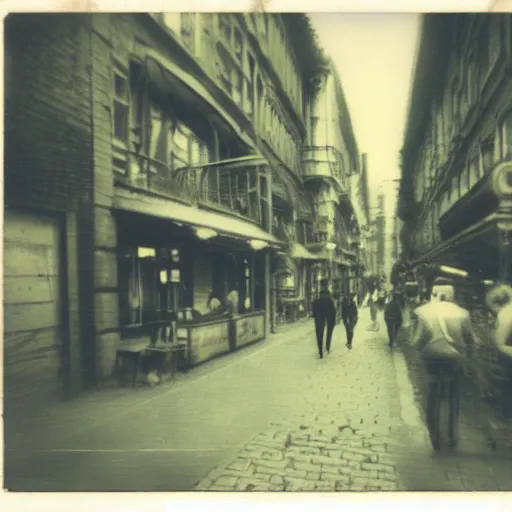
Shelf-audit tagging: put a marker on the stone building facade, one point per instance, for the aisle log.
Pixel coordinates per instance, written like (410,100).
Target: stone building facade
(456,170)
(155,164)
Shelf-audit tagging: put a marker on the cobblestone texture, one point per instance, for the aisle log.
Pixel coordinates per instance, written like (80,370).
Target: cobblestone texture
(353,436)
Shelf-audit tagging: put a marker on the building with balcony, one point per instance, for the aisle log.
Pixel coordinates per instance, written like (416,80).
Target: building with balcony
(456,159)
(330,157)
(359,192)
(164,172)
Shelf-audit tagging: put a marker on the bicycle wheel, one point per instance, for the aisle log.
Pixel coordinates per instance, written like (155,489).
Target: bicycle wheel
(454,414)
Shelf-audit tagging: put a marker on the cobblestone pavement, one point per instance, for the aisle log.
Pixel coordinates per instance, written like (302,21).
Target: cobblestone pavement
(361,430)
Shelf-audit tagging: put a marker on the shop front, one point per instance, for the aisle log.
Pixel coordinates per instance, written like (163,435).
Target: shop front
(203,287)
(293,284)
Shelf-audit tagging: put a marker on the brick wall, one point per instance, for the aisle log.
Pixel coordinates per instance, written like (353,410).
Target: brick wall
(48,152)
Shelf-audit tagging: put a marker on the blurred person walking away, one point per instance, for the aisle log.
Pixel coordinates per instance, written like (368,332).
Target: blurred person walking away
(445,338)
(324,313)
(374,309)
(499,301)
(349,315)
(393,316)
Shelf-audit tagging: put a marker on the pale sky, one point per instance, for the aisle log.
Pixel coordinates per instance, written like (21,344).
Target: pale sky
(375,55)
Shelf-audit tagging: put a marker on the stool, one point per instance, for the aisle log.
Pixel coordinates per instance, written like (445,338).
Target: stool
(132,352)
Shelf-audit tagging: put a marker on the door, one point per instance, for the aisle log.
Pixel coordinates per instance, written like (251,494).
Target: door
(32,302)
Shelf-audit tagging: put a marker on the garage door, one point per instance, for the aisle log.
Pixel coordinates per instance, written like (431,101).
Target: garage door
(32,340)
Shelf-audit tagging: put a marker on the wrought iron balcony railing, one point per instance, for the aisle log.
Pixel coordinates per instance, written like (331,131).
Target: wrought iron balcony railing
(324,162)
(234,185)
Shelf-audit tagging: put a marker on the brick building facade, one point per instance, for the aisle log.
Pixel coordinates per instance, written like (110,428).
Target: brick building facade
(153,166)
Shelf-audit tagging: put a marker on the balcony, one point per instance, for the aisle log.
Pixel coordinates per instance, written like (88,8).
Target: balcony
(324,162)
(233,186)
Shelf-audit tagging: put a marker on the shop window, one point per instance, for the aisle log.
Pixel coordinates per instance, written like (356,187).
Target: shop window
(121,104)
(152,283)
(138,286)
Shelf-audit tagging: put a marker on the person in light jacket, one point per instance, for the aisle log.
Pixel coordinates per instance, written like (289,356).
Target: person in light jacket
(444,333)
(324,313)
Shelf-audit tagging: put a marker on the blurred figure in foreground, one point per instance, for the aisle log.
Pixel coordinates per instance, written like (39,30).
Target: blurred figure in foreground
(349,315)
(443,329)
(324,313)
(445,337)
(499,301)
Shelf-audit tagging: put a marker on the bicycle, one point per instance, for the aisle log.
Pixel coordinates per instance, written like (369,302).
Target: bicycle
(443,405)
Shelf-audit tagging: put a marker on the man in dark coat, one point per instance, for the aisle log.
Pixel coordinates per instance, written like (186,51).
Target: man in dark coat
(349,315)
(393,316)
(324,313)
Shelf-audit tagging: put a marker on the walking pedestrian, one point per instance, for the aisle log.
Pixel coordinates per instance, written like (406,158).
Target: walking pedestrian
(349,315)
(374,309)
(393,316)
(324,313)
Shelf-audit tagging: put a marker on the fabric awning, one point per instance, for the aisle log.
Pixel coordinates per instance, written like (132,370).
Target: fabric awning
(298,251)
(188,215)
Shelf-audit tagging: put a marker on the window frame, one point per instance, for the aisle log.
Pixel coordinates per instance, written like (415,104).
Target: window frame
(118,70)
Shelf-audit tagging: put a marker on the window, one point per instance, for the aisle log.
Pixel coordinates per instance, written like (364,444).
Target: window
(121,105)
(151,284)
(180,150)
(138,286)
(159,139)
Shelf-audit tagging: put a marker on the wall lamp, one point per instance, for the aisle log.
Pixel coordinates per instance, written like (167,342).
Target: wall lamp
(205,233)
(453,271)
(257,245)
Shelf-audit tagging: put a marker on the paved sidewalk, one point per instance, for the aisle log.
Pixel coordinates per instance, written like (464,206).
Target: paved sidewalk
(362,432)
(31,431)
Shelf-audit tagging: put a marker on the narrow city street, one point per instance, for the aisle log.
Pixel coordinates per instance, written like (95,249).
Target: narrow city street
(270,417)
